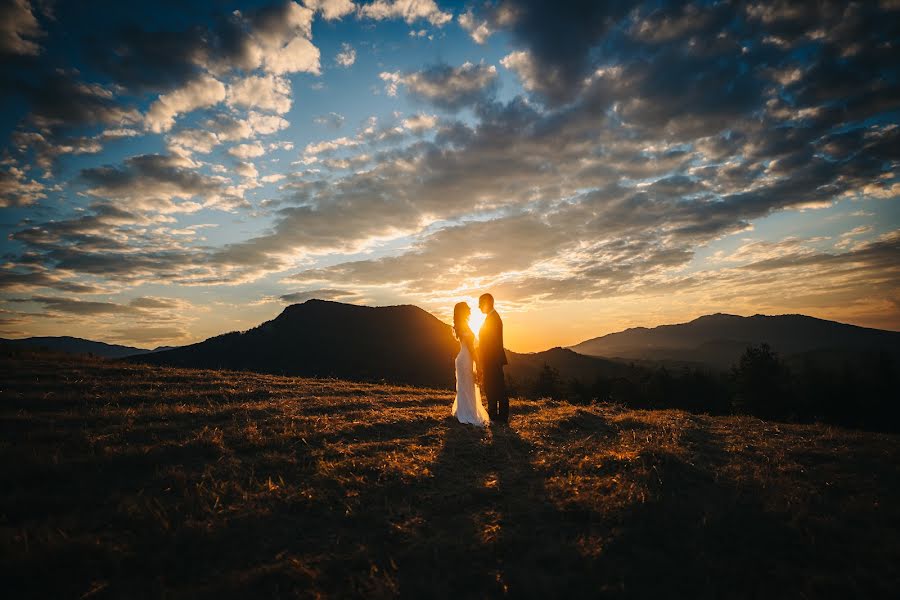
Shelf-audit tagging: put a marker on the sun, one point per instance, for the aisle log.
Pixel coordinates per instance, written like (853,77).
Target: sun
(476,319)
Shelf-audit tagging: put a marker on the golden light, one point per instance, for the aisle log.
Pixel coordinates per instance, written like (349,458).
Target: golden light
(476,319)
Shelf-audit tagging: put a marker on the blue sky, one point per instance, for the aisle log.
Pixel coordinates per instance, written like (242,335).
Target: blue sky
(172,171)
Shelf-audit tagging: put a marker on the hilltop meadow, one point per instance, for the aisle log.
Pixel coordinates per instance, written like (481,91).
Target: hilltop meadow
(127,480)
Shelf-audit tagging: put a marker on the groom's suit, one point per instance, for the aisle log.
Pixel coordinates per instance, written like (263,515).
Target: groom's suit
(493,357)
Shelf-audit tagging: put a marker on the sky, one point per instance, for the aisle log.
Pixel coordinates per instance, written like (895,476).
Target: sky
(170,171)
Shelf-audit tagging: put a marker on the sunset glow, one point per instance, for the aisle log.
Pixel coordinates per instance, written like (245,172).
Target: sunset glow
(476,319)
(169,177)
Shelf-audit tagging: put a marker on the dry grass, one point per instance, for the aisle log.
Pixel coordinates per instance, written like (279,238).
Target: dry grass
(130,481)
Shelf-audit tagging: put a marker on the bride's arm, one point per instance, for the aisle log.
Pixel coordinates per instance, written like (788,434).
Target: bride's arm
(475,357)
(469,341)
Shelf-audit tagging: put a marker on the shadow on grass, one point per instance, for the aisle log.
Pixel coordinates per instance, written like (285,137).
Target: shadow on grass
(415,505)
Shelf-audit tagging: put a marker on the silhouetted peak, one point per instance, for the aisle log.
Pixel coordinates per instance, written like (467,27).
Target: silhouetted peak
(717,317)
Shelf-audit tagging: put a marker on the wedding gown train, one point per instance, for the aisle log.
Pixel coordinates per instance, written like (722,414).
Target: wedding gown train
(467,406)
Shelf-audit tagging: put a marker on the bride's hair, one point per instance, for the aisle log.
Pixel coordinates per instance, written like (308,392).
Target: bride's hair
(461,314)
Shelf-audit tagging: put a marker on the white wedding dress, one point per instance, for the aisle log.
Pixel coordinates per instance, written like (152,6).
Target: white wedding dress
(467,406)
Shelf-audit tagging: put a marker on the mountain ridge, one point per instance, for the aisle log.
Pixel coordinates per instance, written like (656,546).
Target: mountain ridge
(75,345)
(322,338)
(720,338)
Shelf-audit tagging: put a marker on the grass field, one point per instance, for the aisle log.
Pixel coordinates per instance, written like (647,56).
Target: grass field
(131,481)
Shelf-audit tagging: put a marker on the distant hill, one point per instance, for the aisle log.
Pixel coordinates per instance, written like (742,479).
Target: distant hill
(719,339)
(524,368)
(73,345)
(331,339)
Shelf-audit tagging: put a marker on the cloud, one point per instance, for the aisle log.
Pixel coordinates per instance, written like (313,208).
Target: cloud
(331,9)
(229,128)
(47,149)
(324,294)
(28,278)
(558,37)
(315,148)
(444,86)
(276,38)
(333,120)
(298,55)
(200,93)
(408,10)
(18,28)
(193,140)
(143,333)
(78,307)
(522,64)
(247,150)
(347,56)
(16,189)
(59,103)
(420,122)
(246,169)
(265,92)
(478,29)
(266,124)
(154,182)
(644,132)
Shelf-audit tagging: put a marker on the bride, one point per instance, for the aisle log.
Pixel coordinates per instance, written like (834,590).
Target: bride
(467,406)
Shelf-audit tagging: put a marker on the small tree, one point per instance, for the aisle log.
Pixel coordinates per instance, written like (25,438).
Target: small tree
(762,383)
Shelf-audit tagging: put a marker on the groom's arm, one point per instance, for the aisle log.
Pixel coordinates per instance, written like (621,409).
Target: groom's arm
(501,352)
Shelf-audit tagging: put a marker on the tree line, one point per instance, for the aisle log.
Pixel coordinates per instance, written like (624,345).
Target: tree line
(857,390)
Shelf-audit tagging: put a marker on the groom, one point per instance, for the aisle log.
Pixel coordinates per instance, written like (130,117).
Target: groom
(493,357)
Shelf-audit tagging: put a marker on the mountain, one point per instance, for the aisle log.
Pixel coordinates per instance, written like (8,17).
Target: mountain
(394,343)
(524,368)
(73,345)
(331,339)
(719,339)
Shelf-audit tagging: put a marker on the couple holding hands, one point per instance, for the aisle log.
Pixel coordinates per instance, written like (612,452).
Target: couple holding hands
(488,354)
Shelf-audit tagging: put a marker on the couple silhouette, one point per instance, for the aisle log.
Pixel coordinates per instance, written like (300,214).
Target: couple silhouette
(482,359)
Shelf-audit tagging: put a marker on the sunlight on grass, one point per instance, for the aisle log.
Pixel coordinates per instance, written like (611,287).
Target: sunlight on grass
(281,486)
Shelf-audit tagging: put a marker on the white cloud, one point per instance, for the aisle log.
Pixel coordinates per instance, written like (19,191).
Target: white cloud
(119,132)
(347,56)
(522,64)
(408,10)
(331,9)
(199,93)
(420,122)
(266,124)
(266,92)
(392,80)
(245,169)
(247,150)
(330,145)
(277,39)
(479,31)
(193,140)
(299,55)
(273,178)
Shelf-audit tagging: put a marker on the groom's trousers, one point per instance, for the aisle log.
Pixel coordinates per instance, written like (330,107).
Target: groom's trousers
(495,390)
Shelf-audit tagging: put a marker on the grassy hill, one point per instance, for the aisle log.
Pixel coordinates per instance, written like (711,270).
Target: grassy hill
(125,480)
